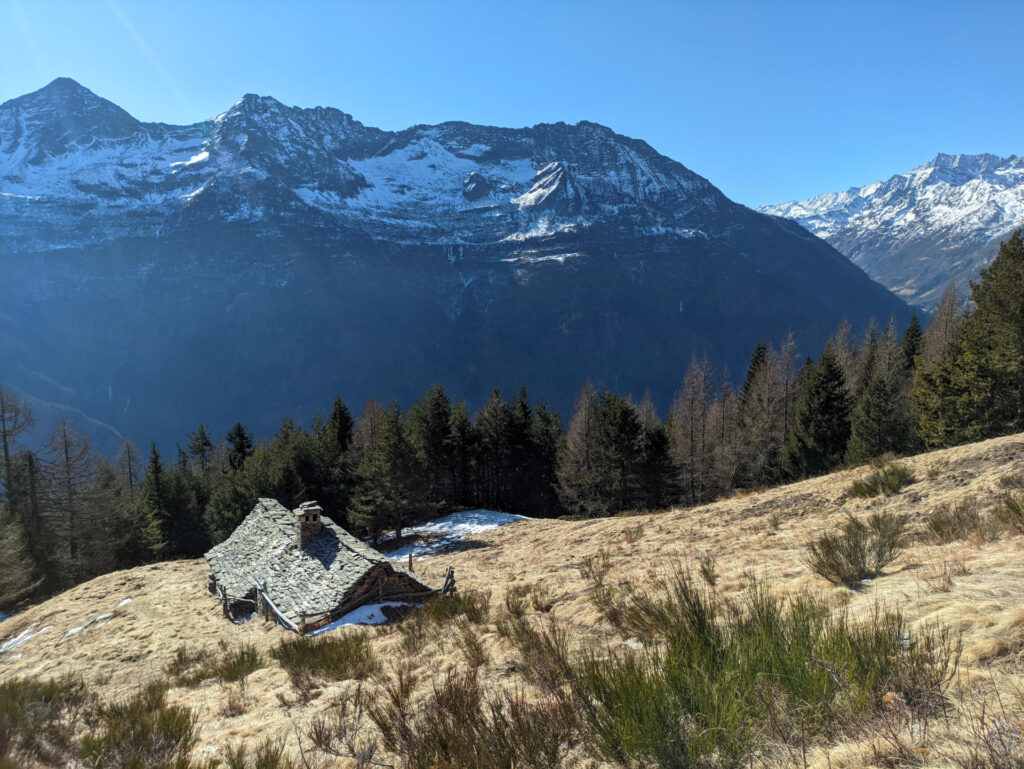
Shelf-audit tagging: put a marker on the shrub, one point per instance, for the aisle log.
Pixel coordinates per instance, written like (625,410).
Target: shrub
(189,667)
(594,569)
(859,552)
(888,480)
(268,754)
(472,606)
(334,658)
(235,665)
(1010,513)
(38,719)
(458,727)
(716,680)
(142,731)
(633,534)
(957,521)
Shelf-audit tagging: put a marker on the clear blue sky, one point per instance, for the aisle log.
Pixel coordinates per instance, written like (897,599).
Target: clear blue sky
(771,101)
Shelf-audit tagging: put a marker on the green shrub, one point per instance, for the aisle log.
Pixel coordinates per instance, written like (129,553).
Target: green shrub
(458,727)
(718,680)
(957,521)
(888,480)
(142,732)
(472,606)
(39,719)
(268,754)
(236,664)
(333,658)
(860,551)
(1010,513)
(190,667)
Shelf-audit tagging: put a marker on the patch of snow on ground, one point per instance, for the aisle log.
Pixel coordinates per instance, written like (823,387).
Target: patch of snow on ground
(370,614)
(125,602)
(21,638)
(445,532)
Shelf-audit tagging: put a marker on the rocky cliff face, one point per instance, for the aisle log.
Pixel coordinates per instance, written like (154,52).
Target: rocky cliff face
(253,265)
(917,231)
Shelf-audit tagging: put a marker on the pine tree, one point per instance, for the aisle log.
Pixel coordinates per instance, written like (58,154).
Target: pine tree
(240,440)
(429,425)
(462,440)
(912,342)
(200,445)
(822,428)
(391,493)
(153,525)
(491,427)
(340,426)
(879,422)
(657,473)
(976,390)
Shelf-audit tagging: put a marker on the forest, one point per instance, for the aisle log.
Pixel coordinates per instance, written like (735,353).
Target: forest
(68,514)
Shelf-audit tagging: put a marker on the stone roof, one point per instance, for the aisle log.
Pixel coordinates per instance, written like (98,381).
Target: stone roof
(316,578)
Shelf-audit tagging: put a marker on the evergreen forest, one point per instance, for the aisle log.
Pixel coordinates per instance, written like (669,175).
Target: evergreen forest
(68,514)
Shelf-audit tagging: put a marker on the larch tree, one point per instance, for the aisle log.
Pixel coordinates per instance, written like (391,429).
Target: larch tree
(16,418)
(690,431)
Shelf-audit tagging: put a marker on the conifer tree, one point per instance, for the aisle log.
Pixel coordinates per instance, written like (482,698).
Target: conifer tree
(977,390)
(18,579)
(153,511)
(16,418)
(822,428)
(946,322)
(200,445)
(391,493)
(760,420)
(492,429)
(240,440)
(689,428)
(429,427)
(577,463)
(129,466)
(912,342)
(462,440)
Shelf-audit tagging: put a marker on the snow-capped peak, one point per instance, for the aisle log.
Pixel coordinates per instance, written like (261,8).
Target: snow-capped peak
(917,230)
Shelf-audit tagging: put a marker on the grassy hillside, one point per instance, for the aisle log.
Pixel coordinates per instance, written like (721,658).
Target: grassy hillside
(544,570)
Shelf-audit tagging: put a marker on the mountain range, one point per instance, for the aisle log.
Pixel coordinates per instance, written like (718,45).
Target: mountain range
(916,232)
(258,263)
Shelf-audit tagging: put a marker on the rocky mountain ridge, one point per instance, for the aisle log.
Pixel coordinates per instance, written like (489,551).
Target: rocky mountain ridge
(918,230)
(256,264)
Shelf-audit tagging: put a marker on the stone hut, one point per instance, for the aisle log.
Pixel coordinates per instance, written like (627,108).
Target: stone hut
(303,569)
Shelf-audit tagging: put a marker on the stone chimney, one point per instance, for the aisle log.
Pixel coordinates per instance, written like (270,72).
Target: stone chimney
(308,514)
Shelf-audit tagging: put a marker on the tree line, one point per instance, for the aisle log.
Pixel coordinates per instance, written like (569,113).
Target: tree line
(68,514)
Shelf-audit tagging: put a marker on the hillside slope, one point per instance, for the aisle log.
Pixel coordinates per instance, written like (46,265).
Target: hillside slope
(973,586)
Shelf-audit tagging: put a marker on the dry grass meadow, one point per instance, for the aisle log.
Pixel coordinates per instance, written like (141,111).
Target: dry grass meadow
(974,586)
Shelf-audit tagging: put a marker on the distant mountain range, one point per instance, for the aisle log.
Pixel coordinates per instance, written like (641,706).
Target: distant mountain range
(919,230)
(256,264)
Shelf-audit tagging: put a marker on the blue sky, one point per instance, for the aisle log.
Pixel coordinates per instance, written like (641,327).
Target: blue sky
(771,101)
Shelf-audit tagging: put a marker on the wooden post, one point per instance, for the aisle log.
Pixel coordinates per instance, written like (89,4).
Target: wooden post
(410,561)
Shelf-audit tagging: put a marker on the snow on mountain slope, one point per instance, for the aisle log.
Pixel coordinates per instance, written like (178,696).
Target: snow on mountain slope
(917,231)
(70,161)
